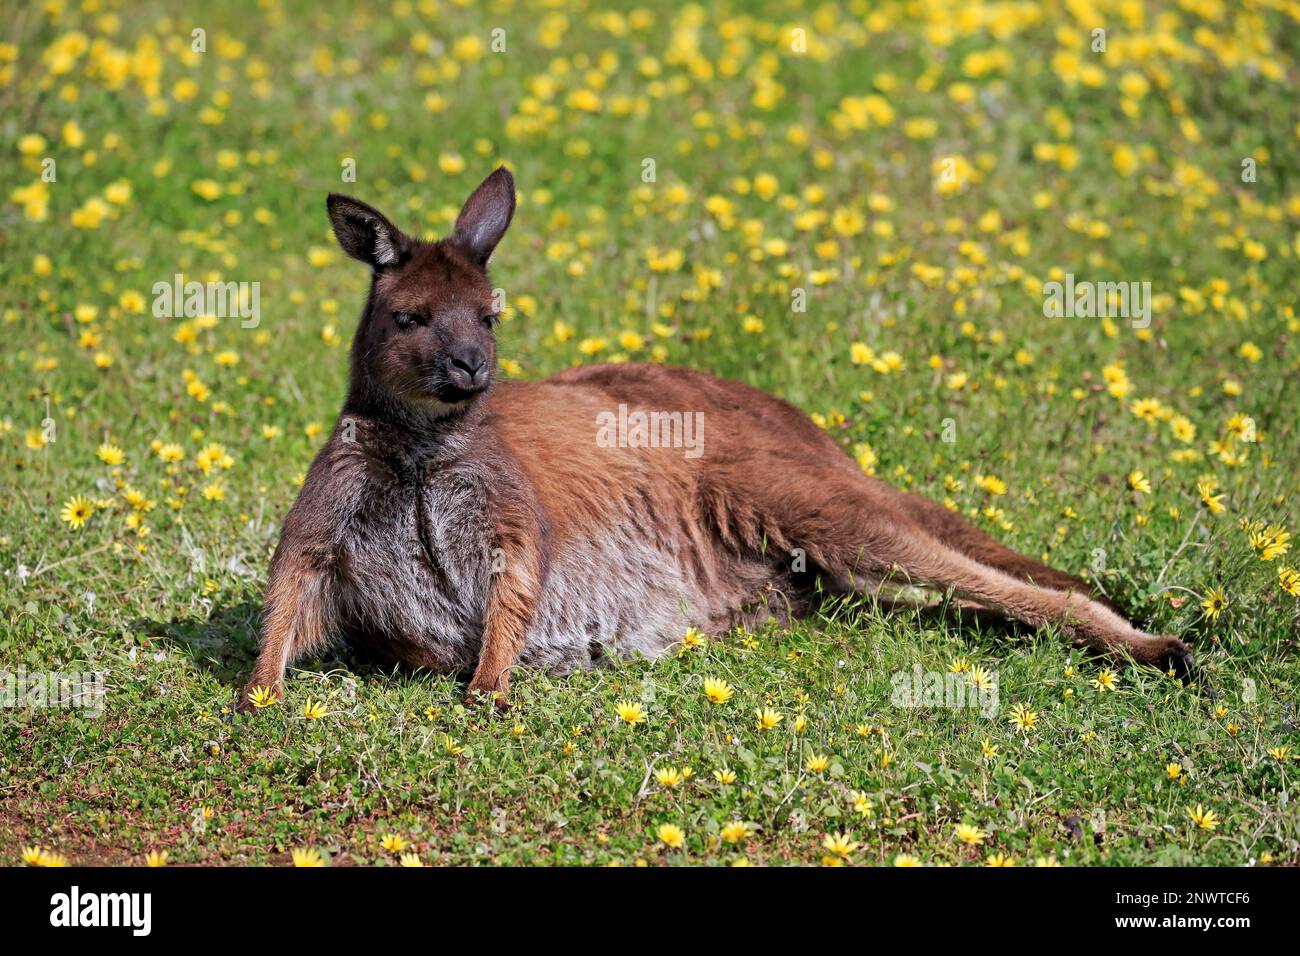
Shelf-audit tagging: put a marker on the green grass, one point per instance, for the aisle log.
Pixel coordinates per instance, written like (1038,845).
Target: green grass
(894,263)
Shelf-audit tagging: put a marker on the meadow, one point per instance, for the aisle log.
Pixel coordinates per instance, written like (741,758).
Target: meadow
(857,206)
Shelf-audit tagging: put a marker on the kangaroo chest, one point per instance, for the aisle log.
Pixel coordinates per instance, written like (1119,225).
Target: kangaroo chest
(415,570)
(417,566)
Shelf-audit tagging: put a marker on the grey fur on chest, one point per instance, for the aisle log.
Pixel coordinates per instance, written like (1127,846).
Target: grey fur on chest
(414,569)
(417,559)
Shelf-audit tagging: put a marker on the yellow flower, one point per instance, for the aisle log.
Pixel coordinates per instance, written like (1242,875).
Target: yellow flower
(136,500)
(668,776)
(1174,770)
(968,834)
(717,690)
(841,845)
(1139,483)
(76,511)
(672,835)
(725,775)
(1125,159)
(1182,428)
(735,831)
(1214,604)
(666,260)
(208,189)
(889,361)
(410,859)
(156,858)
(1272,542)
(692,639)
(1105,680)
(110,454)
(31,144)
(866,457)
(314,709)
(630,712)
(906,860)
(1279,754)
(817,763)
(847,222)
(73,135)
(118,193)
(1241,427)
(1022,717)
(393,843)
(309,856)
(765,186)
(1204,819)
(1206,489)
(999,859)
(768,718)
(1288,579)
(920,127)
(32,855)
(584,100)
(263,697)
(861,354)
(1147,409)
(468,48)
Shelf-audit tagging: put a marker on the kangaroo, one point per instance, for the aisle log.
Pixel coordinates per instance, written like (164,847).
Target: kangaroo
(468,526)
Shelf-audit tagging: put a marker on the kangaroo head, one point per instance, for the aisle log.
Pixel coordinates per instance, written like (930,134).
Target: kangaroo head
(426,337)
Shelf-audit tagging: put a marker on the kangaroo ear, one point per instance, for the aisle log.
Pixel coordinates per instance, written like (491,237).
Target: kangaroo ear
(364,233)
(486,215)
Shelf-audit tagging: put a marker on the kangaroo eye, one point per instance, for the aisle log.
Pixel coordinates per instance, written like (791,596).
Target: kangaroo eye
(491,320)
(404,320)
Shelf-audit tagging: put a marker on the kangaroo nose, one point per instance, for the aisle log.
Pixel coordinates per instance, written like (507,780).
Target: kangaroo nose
(468,370)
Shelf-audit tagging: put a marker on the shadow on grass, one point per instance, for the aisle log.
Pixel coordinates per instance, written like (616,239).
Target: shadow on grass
(977,626)
(224,644)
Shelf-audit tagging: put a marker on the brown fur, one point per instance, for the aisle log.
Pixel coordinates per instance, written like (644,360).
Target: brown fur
(439,457)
